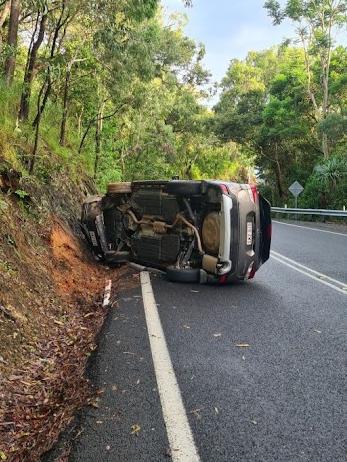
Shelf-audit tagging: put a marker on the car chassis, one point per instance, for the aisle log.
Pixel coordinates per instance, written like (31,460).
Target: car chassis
(195,231)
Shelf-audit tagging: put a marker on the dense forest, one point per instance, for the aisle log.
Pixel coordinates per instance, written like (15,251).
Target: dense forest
(116,90)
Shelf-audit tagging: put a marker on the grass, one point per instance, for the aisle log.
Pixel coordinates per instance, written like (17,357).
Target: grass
(16,141)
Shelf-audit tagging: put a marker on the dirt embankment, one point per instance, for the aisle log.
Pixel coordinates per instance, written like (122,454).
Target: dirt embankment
(51,310)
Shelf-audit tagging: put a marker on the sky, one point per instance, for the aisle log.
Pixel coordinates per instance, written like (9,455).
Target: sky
(229,29)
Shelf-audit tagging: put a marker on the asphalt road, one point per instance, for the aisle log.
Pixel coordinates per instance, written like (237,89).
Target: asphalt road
(260,366)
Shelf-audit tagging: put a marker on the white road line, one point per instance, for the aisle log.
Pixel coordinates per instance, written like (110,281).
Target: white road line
(107,294)
(320,277)
(180,436)
(308,227)
(296,263)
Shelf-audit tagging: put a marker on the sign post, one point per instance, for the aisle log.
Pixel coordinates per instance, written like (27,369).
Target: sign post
(296,189)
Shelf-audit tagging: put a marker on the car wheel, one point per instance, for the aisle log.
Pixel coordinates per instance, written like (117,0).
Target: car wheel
(183,188)
(183,274)
(91,209)
(119,188)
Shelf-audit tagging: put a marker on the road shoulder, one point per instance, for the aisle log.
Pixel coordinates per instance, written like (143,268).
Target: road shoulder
(125,423)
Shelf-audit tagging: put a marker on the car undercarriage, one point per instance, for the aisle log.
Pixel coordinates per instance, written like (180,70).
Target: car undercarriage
(178,226)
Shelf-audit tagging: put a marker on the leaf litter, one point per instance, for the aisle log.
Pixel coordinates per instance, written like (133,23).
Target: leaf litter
(41,392)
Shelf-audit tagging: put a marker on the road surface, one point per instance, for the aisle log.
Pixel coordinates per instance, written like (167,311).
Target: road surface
(251,372)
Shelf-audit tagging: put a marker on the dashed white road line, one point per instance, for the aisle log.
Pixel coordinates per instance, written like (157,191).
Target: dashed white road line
(180,436)
(311,273)
(309,228)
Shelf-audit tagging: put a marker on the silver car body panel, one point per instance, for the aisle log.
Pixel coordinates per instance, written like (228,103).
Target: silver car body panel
(225,235)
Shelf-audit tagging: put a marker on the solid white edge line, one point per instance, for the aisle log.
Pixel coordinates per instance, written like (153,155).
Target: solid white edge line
(308,227)
(309,275)
(107,293)
(310,269)
(179,434)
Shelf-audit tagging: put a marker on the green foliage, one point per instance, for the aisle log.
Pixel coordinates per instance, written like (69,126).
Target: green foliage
(270,113)
(327,185)
(21,194)
(122,97)
(125,97)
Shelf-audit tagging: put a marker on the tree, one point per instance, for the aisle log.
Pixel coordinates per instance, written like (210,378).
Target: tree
(12,37)
(317,21)
(35,43)
(263,107)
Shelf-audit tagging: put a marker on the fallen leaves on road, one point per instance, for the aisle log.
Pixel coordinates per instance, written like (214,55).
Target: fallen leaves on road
(94,402)
(135,429)
(196,412)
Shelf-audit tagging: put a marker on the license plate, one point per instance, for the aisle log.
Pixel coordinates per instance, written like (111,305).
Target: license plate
(249,233)
(93,238)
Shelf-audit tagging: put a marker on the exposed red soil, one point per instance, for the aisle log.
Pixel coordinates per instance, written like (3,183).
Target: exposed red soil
(74,275)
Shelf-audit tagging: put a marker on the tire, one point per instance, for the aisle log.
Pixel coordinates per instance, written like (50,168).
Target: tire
(183,274)
(117,257)
(183,188)
(119,188)
(91,209)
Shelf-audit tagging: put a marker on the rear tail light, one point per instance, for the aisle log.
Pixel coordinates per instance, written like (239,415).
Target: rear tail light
(224,189)
(223,279)
(254,193)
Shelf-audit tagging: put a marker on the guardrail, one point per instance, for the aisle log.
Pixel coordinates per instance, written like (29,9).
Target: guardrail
(319,212)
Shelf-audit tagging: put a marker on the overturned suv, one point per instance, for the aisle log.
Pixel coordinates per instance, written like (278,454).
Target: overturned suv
(196,231)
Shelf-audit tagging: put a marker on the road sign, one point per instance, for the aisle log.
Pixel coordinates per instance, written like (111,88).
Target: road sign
(296,188)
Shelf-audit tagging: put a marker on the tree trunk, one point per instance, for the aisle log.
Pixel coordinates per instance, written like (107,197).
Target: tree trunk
(92,121)
(85,135)
(79,122)
(325,145)
(98,133)
(279,180)
(48,83)
(325,108)
(29,71)
(10,63)
(37,132)
(65,105)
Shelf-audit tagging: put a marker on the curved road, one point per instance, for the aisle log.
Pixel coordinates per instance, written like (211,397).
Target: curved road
(260,367)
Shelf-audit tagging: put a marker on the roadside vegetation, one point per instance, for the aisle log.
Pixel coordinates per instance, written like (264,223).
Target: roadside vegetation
(97,92)
(287,106)
(112,89)
(119,92)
